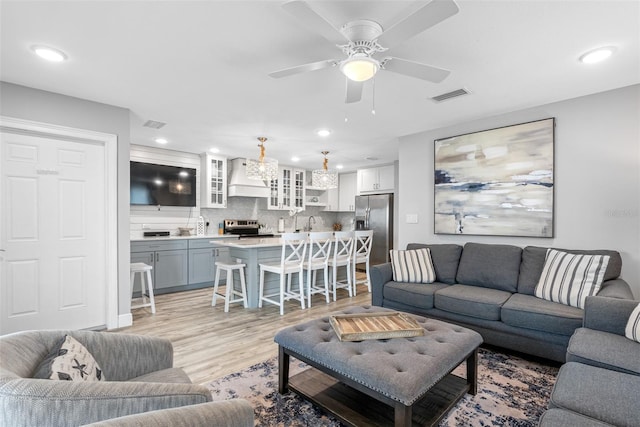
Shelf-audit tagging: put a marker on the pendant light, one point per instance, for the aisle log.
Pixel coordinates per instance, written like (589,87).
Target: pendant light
(264,169)
(324,178)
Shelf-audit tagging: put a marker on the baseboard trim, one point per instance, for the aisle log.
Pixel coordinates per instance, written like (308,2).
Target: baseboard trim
(125,320)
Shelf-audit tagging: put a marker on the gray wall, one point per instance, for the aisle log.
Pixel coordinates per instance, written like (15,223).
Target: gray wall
(37,105)
(597,177)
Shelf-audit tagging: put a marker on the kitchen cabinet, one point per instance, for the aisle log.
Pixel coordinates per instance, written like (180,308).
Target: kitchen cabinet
(169,261)
(202,261)
(347,192)
(379,179)
(288,191)
(332,197)
(214,181)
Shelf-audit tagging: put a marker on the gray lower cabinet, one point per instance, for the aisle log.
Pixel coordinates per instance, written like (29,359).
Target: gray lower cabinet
(169,260)
(202,261)
(178,264)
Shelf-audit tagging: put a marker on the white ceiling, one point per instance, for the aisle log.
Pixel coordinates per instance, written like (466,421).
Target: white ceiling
(201,67)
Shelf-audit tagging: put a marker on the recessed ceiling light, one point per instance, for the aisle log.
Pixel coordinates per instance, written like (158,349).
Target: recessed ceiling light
(161,140)
(324,132)
(371,158)
(214,150)
(339,167)
(597,55)
(49,53)
(295,159)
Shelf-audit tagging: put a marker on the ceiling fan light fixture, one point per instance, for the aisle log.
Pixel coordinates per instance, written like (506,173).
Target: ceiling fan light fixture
(359,68)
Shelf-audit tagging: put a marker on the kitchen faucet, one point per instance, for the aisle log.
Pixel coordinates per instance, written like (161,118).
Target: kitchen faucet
(309,223)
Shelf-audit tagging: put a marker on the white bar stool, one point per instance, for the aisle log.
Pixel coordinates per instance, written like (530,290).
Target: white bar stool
(145,271)
(229,268)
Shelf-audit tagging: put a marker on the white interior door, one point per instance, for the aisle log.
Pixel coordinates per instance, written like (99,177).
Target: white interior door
(54,223)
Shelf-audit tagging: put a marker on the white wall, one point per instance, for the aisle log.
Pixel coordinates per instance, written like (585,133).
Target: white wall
(597,177)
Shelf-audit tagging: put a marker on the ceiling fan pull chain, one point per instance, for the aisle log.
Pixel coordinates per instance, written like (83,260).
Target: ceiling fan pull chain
(373,98)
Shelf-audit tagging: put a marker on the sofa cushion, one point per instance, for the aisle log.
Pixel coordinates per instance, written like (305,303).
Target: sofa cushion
(169,375)
(556,417)
(608,396)
(533,258)
(570,278)
(69,361)
(632,330)
(412,294)
(445,259)
(412,266)
(472,301)
(594,347)
(529,312)
(490,266)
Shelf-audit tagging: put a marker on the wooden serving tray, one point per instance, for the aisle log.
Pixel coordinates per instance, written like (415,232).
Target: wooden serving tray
(375,326)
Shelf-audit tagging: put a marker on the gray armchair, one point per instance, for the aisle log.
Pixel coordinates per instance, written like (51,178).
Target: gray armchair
(138,369)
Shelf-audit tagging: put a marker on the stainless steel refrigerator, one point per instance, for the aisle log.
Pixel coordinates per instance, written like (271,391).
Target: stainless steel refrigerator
(375,212)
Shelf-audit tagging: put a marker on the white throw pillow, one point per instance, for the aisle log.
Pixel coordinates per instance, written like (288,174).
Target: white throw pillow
(632,331)
(413,266)
(70,361)
(570,278)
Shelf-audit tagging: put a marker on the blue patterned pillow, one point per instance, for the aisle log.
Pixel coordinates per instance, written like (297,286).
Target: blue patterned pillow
(70,361)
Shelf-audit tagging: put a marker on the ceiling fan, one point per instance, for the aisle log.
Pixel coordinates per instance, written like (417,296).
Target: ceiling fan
(362,39)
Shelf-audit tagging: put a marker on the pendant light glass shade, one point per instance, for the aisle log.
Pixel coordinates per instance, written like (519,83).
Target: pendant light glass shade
(324,178)
(263,168)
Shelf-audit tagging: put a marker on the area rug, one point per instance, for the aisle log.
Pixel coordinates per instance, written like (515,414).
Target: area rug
(511,392)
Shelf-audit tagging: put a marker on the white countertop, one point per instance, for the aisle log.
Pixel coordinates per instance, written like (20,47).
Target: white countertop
(209,237)
(248,243)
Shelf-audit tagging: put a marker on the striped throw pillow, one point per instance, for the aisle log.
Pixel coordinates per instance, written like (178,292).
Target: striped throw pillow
(413,266)
(632,331)
(570,278)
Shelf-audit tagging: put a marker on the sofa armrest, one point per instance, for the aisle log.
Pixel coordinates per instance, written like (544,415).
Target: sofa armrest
(380,275)
(607,314)
(229,413)
(126,356)
(34,402)
(616,288)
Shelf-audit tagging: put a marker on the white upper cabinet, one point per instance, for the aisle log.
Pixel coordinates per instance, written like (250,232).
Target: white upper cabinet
(380,179)
(347,194)
(288,191)
(214,181)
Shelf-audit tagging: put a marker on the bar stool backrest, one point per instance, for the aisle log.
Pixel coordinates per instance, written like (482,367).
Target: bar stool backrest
(362,244)
(320,247)
(343,248)
(294,247)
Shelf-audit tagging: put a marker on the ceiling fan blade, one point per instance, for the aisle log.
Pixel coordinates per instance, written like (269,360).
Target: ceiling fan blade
(354,91)
(415,69)
(313,66)
(426,17)
(309,18)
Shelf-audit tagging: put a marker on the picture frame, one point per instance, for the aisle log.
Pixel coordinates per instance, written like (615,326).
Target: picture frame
(496,182)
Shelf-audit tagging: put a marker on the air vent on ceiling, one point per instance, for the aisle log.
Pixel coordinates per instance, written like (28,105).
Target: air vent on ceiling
(153,124)
(449,95)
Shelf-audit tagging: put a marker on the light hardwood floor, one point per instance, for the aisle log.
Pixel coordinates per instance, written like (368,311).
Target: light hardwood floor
(209,343)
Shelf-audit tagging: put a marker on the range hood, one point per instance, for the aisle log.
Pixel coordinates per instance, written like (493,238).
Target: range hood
(240,185)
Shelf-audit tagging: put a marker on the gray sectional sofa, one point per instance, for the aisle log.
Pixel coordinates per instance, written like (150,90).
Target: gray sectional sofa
(490,288)
(600,383)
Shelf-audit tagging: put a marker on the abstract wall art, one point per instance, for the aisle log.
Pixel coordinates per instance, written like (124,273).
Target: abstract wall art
(496,182)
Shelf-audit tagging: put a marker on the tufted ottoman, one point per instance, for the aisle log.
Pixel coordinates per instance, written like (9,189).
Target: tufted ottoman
(411,376)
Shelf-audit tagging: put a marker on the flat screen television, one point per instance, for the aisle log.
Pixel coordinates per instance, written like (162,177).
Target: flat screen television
(162,185)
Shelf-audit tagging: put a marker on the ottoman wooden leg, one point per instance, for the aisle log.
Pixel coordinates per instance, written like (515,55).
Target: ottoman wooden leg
(472,372)
(283,370)
(402,415)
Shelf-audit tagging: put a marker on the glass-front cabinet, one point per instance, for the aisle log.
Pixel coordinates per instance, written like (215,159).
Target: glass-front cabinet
(288,190)
(214,182)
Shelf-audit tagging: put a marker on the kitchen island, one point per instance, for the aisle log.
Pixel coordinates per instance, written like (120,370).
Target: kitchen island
(253,252)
